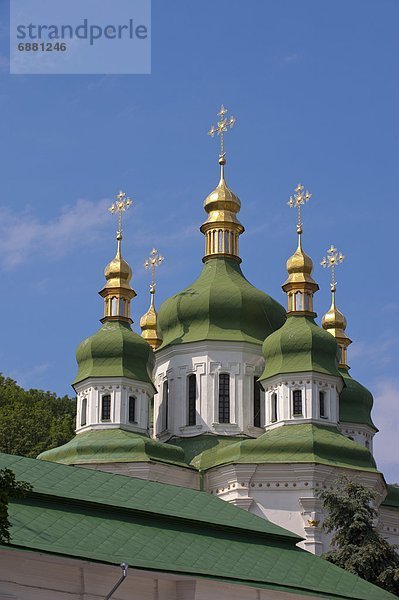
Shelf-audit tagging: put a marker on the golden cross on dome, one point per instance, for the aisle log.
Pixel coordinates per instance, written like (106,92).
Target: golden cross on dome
(224,124)
(121,204)
(332,260)
(153,261)
(299,198)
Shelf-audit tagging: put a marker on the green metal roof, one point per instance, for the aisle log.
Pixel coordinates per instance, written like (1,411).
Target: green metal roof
(131,493)
(220,305)
(113,446)
(115,351)
(195,445)
(300,345)
(112,519)
(392,498)
(355,402)
(305,443)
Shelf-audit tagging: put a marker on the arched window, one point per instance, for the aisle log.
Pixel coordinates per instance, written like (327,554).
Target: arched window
(122,307)
(274,407)
(298,301)
(224,398)
(220,240)
(367,445)
(83,412)
(192,400)
(297,402)
(114,307)
(226,242)
(165,404)
(106,408)
(132,409)
(257,390)
(322,405)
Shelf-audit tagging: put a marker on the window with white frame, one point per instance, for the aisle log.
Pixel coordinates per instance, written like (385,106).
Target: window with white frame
(106,408)
(83,412)
(257,403)
(273,407)
(165,404)
(132,409)
(224,398)
(191,399)
(297,403)
(322,405)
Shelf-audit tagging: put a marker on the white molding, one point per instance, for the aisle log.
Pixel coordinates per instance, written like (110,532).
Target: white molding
(242,361)
(310,384)
(120,389)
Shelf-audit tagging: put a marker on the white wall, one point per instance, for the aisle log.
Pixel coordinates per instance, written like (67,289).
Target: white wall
(35,576)
(362,434)
(242,361)
(120,389)
(310,385)
(286,494)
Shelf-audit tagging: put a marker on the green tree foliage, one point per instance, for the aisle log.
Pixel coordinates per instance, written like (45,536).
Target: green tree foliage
(32,421)
(9,488)
(357,545)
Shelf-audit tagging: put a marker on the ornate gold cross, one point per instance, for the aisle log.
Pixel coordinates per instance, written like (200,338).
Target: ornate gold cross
(121,204)
(224,124)
(153,261)
(332,260)
(299,198)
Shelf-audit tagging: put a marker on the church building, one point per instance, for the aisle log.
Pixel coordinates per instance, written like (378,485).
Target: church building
(225,396)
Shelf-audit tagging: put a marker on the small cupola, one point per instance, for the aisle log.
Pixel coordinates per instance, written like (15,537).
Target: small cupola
(117,292)
(149,321)
(300,285)
(222,228)
(334,321)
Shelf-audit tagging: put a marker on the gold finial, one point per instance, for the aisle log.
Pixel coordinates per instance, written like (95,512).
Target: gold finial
(334,321)
(222,228)
(148,322)
(117,292)
(152,262)
(122,203)
(222,126)
(332,260)
(299,198)
(300,285)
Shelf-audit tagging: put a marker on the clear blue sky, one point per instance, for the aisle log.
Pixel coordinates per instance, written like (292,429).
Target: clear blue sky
(315,89)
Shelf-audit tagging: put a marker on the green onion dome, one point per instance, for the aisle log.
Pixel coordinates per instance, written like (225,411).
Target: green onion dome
(115,351)
(355,402)
(300,345)
(220,305)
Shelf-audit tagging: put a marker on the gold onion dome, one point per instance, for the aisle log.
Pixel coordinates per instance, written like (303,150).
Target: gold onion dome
(222,228)
(300,266)
(222,198)
(117,292)
(300,285)
(149,324)
(118,272)
(149,321)
(334,321)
